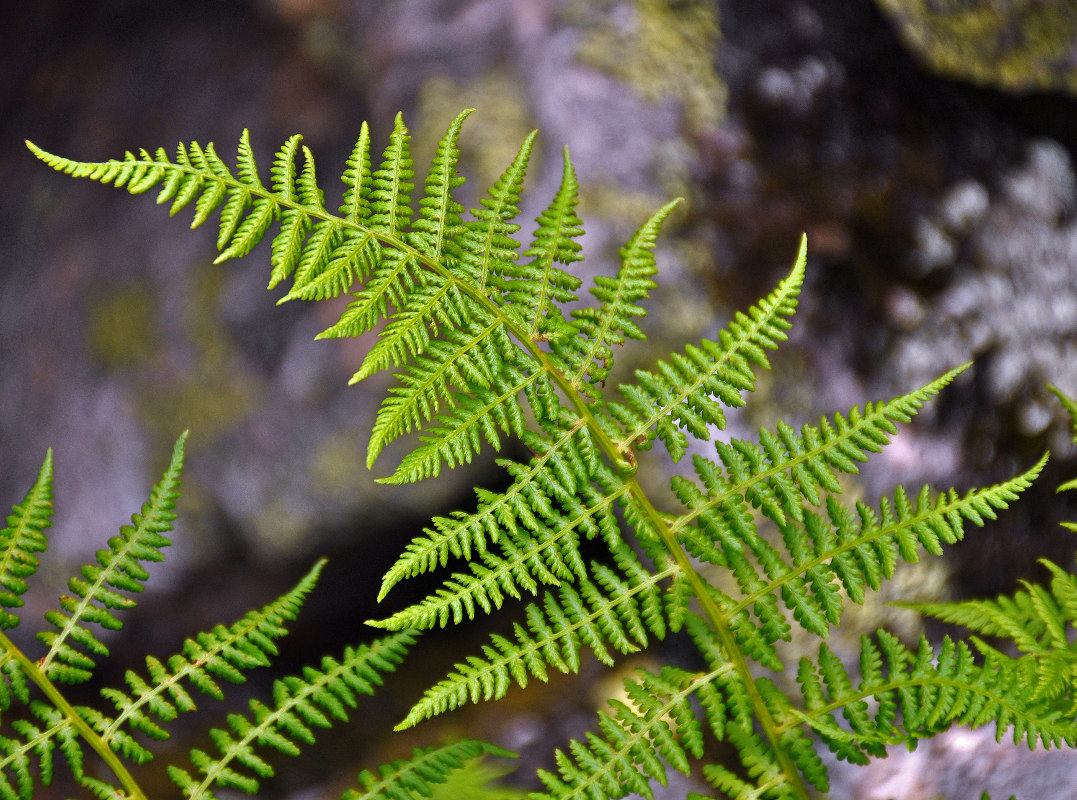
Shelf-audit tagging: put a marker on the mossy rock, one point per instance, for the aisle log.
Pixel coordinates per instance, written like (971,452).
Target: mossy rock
(1014,45)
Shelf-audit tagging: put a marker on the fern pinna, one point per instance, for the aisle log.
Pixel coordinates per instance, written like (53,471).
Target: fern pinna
(489,339)
(128,721)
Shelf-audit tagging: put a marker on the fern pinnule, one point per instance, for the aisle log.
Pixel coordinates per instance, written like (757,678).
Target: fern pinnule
(300,704)
(427,767)
(21,538)
(107,584)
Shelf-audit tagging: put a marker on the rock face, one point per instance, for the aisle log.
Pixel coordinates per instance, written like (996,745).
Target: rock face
(1015,46)
(939,222)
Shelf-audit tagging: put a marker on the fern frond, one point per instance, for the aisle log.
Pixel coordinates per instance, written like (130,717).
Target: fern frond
(535,291)
(487,247)
(21,538)
(589,356)
(300,704)
(471,355)
(851,551)
(391,186)
(417,776)
(918,693)
(550,557)
(529,504)
(439,223)
(639,740)
(224,653)
(1038,620)
(105,585)
(619,616)
(688,392)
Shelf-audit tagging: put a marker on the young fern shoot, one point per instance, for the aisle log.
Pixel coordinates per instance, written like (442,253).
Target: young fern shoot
(486,339)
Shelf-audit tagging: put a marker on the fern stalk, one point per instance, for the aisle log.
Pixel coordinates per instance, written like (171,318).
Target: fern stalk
(88,734)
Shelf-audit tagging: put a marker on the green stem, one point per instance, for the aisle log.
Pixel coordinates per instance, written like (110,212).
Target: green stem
(58,700)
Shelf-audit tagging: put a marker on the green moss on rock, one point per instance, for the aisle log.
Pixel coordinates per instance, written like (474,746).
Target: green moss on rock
(664,49)
(121,332)
(1015,45)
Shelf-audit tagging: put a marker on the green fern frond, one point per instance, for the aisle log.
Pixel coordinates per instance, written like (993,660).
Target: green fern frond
(588,357)
(919,693)
(535,291)
(853,551)
(619,616)
(105,586)
(689,392)
(1038,620)
(21,538)
(418,776)
(300,704)
(487,344)
(224,653)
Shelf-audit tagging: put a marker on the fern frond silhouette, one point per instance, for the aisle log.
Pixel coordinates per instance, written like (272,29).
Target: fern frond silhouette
(487,338)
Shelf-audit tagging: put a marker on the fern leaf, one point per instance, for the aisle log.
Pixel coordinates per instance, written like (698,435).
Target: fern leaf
(356,207)
(390,194)
(525,505)
(536,291)
(919,693)
(590,356)
(549,557)
(104,586)
(462,357)
(417,776)
(1038,620)
(223,653)
(478,414)
(294,223)
(439,223)
(300,704)
(690,390)
(846,550)
(554,636)
(21,538)
(487,247)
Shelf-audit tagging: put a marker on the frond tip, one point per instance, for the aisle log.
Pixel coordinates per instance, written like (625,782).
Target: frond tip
(105,586)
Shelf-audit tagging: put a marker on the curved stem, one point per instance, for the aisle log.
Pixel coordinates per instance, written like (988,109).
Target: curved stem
(56,697)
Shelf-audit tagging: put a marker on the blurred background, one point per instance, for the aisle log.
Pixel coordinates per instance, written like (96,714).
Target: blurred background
(925,147)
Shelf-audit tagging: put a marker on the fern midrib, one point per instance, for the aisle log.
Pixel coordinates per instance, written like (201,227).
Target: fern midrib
(719,624)
(57,698)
